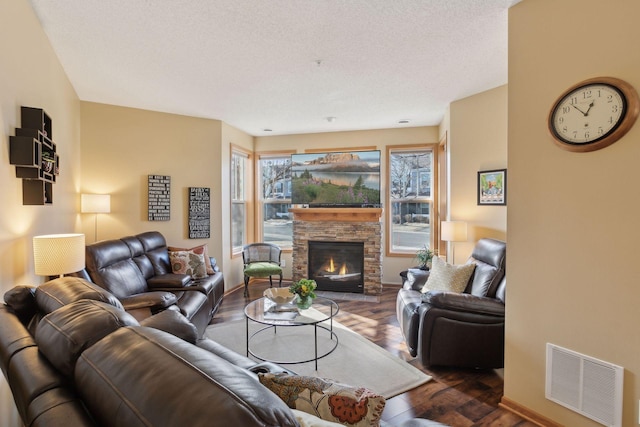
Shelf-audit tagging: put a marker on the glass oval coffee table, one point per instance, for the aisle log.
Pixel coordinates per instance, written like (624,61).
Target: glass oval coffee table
(266,312)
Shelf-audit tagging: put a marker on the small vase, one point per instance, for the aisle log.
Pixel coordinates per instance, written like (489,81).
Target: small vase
(304,302)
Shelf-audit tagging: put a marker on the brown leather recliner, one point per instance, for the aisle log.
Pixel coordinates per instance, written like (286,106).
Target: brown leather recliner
(458,329)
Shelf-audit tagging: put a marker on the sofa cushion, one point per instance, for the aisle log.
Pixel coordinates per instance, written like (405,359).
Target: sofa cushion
(188,262)
(262,269)
(59,292)
(64,334)
(202,249)
(330,401)
(447,277)
(158,367)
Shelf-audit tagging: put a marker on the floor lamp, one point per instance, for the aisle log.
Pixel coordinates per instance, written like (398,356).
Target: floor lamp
(453,231)
(58,254)
(95,204)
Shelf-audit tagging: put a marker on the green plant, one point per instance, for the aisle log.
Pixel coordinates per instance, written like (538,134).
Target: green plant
(424,256)
(304,288)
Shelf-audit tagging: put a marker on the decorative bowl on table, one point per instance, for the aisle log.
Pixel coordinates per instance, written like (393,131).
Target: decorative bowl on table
(279,296)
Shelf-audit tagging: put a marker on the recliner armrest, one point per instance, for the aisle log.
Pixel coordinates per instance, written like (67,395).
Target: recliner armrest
(464,302)
(169,281)
(156,300)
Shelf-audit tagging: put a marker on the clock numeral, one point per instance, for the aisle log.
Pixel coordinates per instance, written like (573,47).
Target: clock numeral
(609,99)
(614,108)
(586,94)
(600,130)
(573,100)
(586,134)
(566,109)
(560,120)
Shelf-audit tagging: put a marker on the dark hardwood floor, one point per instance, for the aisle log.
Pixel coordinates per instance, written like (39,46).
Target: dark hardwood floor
(457,397)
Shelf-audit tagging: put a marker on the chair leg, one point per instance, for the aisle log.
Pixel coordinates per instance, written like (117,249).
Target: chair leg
(246,286)
(280,282)
(270,282)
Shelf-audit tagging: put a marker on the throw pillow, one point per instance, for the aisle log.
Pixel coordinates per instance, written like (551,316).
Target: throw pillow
(340,403)
(188,262)
(202,249)
(447,277)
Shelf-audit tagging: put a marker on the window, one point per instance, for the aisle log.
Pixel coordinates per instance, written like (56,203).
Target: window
(410,198)
(274,183)
(238,200)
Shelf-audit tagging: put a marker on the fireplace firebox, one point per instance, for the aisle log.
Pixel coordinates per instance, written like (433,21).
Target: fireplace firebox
(337,266)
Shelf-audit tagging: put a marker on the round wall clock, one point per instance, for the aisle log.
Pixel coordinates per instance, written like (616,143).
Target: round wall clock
(593,114)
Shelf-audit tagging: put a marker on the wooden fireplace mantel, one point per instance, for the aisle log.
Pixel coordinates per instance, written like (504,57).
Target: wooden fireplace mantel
(337,214)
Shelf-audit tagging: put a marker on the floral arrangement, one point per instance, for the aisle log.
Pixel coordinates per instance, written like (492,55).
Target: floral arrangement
(304,288)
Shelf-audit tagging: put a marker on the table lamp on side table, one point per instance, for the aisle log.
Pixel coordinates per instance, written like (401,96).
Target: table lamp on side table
(58,254)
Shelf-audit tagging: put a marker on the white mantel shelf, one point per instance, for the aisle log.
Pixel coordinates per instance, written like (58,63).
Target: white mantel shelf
(337,214)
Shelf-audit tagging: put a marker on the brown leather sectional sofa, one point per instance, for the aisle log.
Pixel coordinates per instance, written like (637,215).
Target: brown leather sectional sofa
(72,356)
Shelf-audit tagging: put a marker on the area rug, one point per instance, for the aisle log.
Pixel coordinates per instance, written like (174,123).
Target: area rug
(355,361)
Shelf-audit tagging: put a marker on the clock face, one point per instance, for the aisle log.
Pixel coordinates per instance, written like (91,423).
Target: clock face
(588,114)
(593,114)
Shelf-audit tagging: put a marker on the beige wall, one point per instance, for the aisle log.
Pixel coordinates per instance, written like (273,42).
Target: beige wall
(477,140)
(31,75)
(379,139)
(122,146)
(573,217)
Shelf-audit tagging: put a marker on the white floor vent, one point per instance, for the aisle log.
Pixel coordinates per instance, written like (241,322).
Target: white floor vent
(586,385)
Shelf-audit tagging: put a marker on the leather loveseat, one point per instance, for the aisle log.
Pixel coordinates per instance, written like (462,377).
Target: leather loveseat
(137,271)
(457,329)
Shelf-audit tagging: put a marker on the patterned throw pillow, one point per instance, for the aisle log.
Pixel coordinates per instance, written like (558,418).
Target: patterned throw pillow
(447,277)
(327,400)
(188,262)
(202,249)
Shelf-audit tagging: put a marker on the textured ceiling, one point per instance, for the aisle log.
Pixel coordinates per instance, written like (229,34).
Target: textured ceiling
(284,65)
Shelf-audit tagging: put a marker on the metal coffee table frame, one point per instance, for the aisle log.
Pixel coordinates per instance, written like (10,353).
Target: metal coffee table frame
(254,311)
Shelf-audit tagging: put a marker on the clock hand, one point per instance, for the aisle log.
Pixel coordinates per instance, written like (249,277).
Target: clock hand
(588,109)
(583,113)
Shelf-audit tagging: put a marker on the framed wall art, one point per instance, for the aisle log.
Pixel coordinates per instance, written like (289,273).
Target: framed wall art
(492,187)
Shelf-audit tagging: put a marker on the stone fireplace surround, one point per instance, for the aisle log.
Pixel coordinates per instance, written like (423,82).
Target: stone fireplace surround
(343,225)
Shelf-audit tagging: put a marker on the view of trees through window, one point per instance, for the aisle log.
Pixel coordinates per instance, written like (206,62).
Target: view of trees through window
(275,189)
(410,198)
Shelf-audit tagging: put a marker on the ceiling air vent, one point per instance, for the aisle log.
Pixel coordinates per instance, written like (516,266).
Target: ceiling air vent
(589,386)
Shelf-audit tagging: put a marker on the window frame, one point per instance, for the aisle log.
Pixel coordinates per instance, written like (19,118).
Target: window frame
(259,197)
(431,200)
(244,201)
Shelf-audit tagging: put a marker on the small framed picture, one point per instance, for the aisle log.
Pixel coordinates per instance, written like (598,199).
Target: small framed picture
(492,187)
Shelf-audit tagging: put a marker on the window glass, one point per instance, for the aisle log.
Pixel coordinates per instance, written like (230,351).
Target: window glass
(410,199)
(238,202)
(275,198)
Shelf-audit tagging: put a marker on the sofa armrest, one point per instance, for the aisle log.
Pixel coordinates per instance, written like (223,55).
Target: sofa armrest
(464,302)
(168,281)
(415,279)
(173,322)
(152,300)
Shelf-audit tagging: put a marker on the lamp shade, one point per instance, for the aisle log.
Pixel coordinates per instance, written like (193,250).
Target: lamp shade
(95,203)
(57,254)
(453,231)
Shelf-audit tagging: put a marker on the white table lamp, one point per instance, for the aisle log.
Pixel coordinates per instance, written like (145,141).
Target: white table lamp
(453,231)
(58,254)
(96,204)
